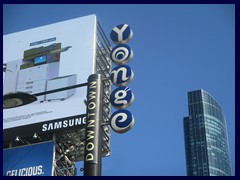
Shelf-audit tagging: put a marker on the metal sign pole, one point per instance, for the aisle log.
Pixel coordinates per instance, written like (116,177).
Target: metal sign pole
(93,132)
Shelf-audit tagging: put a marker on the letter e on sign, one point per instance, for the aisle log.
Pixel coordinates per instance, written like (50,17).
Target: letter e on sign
(121,121)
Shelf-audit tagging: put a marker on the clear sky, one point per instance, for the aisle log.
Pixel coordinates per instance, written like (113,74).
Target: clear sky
(177,48)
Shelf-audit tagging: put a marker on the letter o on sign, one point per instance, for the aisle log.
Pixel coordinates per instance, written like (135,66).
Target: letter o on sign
(121,34)
(121,54)
(121,121)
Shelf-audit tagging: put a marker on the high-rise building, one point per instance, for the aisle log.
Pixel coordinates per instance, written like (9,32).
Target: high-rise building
(206,140)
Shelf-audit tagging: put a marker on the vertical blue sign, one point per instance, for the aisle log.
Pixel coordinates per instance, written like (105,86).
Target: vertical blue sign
(32,160)
(122,120)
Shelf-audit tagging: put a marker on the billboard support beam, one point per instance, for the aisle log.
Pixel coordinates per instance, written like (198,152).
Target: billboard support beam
(93,131)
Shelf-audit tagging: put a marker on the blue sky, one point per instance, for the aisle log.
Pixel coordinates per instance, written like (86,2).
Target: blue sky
(177,48)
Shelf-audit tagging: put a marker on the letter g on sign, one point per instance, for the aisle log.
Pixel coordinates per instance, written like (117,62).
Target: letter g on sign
(121,97)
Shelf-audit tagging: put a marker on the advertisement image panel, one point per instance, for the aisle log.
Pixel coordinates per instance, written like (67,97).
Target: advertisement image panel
(48,58)
(31,160)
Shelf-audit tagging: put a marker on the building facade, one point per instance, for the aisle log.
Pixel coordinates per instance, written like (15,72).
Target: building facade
(205,133)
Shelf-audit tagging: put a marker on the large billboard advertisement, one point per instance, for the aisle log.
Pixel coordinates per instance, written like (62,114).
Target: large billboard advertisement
(43,59)
(31,160)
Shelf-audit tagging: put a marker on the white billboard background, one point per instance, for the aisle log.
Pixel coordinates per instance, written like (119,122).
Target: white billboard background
(80,33)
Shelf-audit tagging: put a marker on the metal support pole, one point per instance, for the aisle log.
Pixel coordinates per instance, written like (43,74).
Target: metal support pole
(93,131)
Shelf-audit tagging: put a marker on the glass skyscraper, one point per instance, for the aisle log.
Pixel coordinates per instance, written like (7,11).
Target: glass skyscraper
(205,134)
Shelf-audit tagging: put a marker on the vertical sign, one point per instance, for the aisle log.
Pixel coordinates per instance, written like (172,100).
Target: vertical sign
(122,97)
(93,133)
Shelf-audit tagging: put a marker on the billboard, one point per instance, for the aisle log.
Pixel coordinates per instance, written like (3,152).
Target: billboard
(31,160)
(43,59)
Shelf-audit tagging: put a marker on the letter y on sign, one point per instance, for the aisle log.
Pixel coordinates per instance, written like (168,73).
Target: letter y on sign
(121,34)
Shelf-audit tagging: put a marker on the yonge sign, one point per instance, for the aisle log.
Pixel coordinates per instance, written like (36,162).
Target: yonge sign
(122,97)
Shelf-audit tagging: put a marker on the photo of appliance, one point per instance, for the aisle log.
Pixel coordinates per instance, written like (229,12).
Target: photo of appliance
(38,69)
(60,82)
